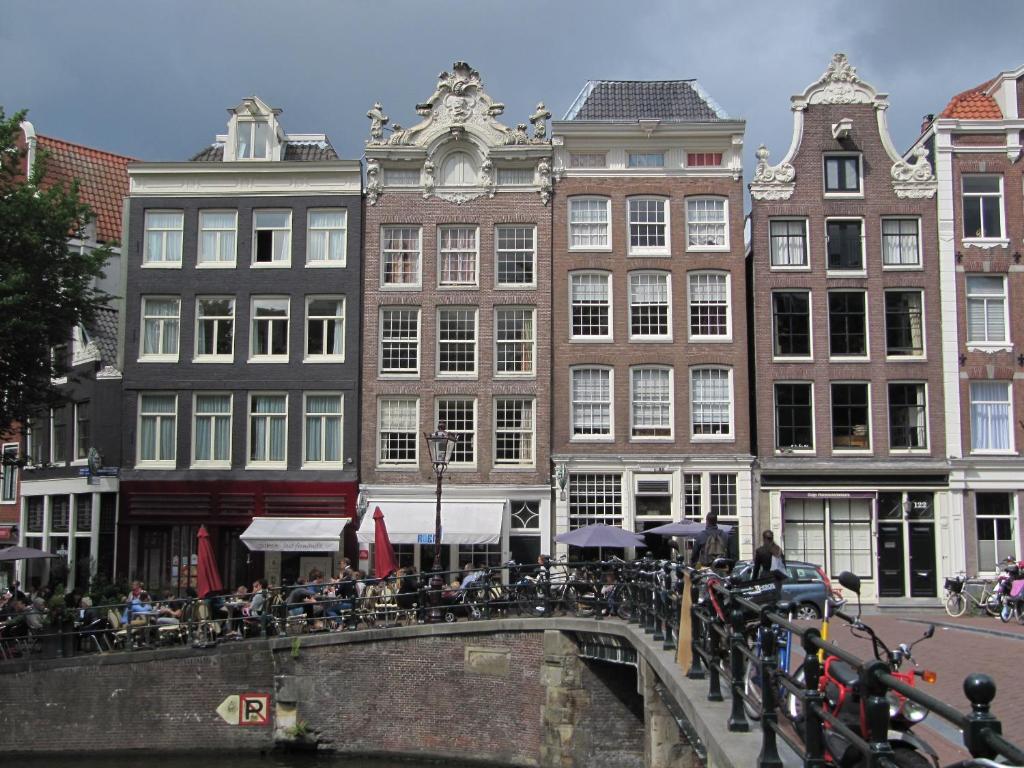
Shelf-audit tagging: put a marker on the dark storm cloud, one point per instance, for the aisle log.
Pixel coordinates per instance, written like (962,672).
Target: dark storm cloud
(153,81)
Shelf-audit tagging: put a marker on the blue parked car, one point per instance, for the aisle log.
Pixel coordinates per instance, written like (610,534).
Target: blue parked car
(806,586)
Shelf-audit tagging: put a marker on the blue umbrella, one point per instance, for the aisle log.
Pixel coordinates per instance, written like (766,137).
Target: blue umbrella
(687,528)
(600,535)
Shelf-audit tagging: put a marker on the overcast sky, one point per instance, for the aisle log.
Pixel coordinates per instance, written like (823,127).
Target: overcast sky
(154,81)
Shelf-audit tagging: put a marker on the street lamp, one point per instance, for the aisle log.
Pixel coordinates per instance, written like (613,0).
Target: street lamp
(441,445)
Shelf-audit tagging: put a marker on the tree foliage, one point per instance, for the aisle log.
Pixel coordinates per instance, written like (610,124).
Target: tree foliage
(47,287)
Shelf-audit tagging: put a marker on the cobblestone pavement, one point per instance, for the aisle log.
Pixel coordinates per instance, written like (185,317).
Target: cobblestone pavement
(960,646)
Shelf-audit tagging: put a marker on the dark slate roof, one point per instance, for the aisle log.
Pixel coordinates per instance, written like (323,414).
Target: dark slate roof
(298,151)
(627,100)
(103,330)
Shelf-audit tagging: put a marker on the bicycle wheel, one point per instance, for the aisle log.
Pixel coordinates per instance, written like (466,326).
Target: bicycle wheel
(992,605)
(956,604)
(752,691)
(626,607)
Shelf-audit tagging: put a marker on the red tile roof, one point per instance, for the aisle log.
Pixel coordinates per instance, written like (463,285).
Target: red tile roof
(102,178)
(973,104)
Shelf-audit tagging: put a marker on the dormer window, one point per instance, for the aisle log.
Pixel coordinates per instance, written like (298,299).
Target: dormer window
(458,170)
(252,139)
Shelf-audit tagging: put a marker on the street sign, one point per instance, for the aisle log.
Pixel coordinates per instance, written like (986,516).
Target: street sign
(424,538)
(245,709)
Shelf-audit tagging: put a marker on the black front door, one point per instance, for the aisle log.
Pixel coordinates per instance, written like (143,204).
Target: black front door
(922,559)
(890,559)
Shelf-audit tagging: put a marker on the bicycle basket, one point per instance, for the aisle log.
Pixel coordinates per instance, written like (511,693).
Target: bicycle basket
(955,585)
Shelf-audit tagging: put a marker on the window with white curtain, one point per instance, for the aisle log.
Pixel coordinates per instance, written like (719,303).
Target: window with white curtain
(398,435)
(590,300)
(648,226)
(711,403)
(901,243)
(991,421)
(986,309)
(709,305)
(994,524)
(650,305)
(850,536)
(514,340)
(215,328)
(589,227)
(325,328)
(456,341)
(513,431)
(157,428)
(459,417)
(803,530)
(788,242)
(271,238)
(161,321)
(162,243)
(400,256)
(211,430)
(651,414)
(270,328)
(218,235)
(706,224)
(591,403)
(268,430)
(323,430)
(325,237)
(458,256)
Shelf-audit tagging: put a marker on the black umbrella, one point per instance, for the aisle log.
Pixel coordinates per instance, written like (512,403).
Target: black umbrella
(25,553)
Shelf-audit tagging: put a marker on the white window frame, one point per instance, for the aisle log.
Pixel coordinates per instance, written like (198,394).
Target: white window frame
(725,222)
(587,160)
(731,436)
(161,463)
(637,153)
(405,464)
(54,442)
(1011,424)
(986,297)
(250,463)
(416,284)
(924,326)
(471,374)
(727,336)
(591,438)
(919,264)
(532,341)
(836,272)
(629,298)
(648,250)
(607,202)
(860,174)
(250,127)
(76,458)
(401,374)
(532,432)
(148,261)
(199,357)
(212,463)
(272,264)
(775,419)
(1002,238)
(331,233)
(810,325)
(475,432)
(325,358)
(866,357)
(340,415)
(926,448)
(611,307)
(634,438)
(9,470)
(161,356)
(253,319)
(497,257)
(870,426)
(806,266)
(231,263)
(475,283)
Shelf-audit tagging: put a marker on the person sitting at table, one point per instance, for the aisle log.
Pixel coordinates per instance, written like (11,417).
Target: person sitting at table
(301,600)
(138,606)
(169,612)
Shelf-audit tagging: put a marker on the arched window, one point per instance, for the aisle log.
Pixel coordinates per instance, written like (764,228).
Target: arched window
(458,170)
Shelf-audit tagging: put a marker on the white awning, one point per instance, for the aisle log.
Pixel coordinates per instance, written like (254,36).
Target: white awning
(412,522)
(294,534)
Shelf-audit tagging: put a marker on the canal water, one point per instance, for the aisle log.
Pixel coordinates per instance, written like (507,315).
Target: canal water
(225,760)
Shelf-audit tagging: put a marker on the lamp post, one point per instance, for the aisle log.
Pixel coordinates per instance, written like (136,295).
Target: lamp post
(441,445)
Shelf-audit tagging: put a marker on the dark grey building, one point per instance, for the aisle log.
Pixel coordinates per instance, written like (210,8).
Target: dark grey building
(241,349)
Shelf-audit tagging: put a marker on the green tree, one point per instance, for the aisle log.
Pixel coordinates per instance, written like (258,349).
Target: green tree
(46,286)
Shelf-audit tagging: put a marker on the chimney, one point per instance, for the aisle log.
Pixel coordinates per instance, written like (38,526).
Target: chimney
(926,121)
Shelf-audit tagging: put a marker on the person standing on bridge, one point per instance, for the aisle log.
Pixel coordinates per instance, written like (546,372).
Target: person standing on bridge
(712,543)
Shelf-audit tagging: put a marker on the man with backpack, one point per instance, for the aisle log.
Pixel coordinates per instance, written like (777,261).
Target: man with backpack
(712,543)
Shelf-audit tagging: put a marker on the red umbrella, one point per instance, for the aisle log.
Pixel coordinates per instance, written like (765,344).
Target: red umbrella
(209,575)
(384,562)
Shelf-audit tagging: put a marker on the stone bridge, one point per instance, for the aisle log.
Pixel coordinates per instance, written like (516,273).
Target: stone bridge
(546,692)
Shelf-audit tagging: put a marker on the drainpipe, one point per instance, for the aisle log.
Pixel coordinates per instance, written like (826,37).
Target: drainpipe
(30,139)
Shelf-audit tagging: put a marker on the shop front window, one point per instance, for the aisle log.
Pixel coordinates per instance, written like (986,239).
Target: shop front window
(994,521)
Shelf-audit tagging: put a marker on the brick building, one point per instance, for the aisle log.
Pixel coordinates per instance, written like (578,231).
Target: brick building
(241,355)
(650,381)
(976,142)
(61,508)
(457,318)
(848,328)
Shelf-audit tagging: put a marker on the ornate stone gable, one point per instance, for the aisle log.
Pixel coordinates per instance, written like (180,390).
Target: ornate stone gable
(772,182)
(459,146)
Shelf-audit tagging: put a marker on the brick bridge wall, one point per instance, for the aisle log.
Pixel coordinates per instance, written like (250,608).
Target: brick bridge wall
(510,697)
